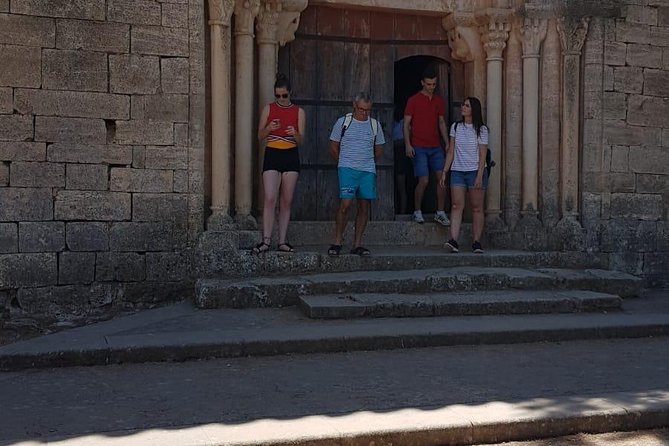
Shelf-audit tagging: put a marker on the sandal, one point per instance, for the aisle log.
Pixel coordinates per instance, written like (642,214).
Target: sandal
(361,251)
(260,248)
(334,250)
(285,247)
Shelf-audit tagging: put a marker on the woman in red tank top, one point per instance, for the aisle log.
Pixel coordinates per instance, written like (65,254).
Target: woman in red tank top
(281,129)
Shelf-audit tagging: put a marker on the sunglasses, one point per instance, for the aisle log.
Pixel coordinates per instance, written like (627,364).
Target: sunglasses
(283,96)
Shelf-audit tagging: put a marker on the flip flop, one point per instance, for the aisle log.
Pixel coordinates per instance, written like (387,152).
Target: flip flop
(361,251)
(334,250)
(260,248)
(285,247)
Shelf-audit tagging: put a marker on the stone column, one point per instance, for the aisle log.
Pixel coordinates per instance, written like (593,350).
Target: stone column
(513,126)
(245,14)
(550,127)
(533,33)
(494,36)
(220,12)
(572,33)
(268,49)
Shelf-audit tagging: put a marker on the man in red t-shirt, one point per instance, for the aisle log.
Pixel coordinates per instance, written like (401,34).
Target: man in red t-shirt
(423,122)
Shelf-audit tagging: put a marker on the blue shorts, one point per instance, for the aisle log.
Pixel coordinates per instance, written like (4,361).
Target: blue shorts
(466,179)
(356,184)
(426,160)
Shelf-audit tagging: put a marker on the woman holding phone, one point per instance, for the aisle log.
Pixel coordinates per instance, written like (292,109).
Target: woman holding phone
(281,127)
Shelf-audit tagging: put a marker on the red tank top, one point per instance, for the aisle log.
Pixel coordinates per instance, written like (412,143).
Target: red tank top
(279,139)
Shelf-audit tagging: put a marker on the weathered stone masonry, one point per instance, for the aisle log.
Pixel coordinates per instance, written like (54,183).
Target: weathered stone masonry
(105,122)
(101,153)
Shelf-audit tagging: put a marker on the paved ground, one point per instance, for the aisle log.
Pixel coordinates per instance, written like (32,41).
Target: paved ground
(352,389)
(640,438)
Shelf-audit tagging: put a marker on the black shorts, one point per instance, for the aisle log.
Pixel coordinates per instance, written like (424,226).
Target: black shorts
(281,160)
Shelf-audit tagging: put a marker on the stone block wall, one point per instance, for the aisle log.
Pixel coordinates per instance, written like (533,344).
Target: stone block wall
(625,180)
(101,154)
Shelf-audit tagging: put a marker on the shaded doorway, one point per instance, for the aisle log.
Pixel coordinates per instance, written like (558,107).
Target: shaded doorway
(408,74)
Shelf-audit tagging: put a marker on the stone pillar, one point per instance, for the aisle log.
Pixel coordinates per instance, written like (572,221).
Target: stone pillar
(494,36)
(572,36)
(513,126)
(220,12)
(245,14)
(268,48)
(550,127)
(533,33)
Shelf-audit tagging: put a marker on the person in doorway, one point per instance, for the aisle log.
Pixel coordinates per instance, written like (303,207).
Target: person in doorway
(423,123)
(467,148)
(356,143)
(281,127)
(402,163)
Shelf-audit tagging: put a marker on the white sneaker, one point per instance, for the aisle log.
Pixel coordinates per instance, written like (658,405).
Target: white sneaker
(442,219)
(418,217)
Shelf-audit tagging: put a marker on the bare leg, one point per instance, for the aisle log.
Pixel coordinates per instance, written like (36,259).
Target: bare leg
(419,191)
(441,192)
(340,220)
(457,207)
(271,180)
(361,221)
(476,202)
(288,182)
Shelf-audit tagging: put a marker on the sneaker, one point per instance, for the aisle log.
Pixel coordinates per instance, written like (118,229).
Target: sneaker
(452,245)
(477,248)
(418,217)
(442,219)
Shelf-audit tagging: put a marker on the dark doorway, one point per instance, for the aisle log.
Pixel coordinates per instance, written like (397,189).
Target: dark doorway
(408,72)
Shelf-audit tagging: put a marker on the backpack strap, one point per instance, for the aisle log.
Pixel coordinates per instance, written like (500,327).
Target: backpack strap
(348,117)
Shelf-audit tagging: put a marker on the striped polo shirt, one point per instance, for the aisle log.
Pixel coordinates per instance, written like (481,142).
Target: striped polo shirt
(466,146)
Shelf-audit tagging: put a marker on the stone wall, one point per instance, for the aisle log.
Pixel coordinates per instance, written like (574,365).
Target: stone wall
(626,139)
(101,153)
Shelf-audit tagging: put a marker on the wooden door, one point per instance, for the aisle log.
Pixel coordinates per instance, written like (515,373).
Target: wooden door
(338,53)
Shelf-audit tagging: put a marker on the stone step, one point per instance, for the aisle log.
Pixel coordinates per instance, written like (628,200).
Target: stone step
(220,259)
(184,333)
(348,306)
(286,290)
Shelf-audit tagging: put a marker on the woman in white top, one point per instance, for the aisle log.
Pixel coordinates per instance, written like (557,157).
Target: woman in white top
(467,148)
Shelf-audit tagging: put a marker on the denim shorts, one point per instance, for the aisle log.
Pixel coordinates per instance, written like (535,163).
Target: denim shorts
(426,160)
(356,184)
(466,179)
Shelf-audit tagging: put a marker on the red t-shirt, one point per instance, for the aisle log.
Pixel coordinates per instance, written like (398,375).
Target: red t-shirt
(425,112)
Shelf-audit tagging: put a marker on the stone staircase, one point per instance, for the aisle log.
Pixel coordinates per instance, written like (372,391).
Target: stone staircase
(411,277)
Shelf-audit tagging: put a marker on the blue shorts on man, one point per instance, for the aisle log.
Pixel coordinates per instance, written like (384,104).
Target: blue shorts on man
(426,160)
(356,184)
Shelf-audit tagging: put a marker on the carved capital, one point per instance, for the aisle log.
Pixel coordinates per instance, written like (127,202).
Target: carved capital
(245,14)
(289,19)
(220,12)
(494,35)
(572,33)
(267,24)
(532,34)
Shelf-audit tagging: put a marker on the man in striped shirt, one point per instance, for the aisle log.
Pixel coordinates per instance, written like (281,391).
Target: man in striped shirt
(355,142)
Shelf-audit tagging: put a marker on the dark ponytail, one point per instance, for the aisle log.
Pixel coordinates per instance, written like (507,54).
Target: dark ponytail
(282,82)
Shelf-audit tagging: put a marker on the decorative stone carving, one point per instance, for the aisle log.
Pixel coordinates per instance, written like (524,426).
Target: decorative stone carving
(220,12)
(268,21)
(289,19)
(245,13)
(494,36)
(532,34)
(572,33)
